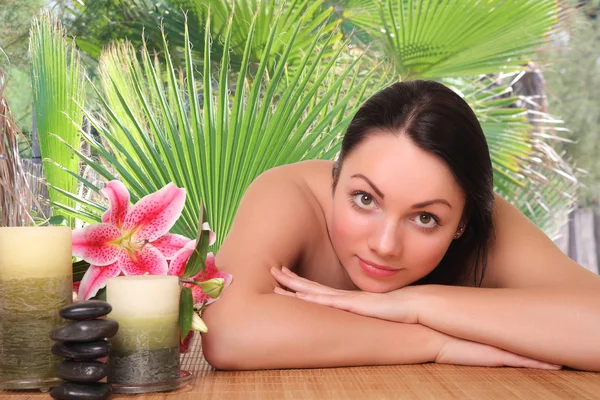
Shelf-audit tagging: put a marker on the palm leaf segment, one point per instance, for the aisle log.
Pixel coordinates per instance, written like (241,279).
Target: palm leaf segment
(215,136)
(429,39)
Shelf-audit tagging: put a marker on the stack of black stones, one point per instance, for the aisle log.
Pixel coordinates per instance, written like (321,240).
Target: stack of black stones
(82,342)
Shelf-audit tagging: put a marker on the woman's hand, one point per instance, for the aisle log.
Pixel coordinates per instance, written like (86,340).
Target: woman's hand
(398,305)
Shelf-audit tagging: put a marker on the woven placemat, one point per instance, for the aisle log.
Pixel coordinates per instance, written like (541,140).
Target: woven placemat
(424,381)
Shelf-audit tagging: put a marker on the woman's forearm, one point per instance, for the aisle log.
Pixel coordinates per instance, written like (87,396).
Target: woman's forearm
(557,325)
(263,331)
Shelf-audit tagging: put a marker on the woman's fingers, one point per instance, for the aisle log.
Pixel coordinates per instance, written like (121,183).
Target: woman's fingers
(343,302)
(279,290)
(298,284)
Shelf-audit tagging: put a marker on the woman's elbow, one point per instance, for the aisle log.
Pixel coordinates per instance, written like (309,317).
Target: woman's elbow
(226,345)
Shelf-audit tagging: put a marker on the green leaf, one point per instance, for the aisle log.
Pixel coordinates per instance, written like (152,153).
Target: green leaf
(58,88)
(440,38)
(196,262)
(186,311)
(79,270)
(215,135)
(57,220)
(101,295)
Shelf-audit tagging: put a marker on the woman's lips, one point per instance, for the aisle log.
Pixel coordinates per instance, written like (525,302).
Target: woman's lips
(378,271)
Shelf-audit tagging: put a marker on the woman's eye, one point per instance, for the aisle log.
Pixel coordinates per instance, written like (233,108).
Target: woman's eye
(364,200)
(426,220)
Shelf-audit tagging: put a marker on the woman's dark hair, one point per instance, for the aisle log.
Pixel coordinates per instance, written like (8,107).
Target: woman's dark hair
(439,121)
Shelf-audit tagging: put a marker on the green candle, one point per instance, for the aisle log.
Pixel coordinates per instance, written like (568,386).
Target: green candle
(145,350)
(36,281)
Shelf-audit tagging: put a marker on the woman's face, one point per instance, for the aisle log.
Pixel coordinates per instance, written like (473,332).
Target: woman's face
(396,209)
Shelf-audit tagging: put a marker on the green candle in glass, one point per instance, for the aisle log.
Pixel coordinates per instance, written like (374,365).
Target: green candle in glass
(36,281)
(145,350)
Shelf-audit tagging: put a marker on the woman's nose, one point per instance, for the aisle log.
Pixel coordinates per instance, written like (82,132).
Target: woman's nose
(387,240)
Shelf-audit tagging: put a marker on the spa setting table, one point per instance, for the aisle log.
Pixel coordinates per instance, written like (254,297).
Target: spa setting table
(426,381)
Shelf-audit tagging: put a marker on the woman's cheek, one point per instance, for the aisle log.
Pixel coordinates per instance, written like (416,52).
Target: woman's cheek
(426,253)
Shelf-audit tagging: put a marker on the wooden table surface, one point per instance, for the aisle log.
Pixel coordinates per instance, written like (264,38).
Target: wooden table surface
(426,381)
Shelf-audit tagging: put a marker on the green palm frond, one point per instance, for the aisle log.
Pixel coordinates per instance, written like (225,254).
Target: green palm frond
(441,38)
(527,171)
(58,90)
(216,135)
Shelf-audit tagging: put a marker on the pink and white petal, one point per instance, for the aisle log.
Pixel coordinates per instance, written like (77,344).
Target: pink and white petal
(213,272)
(155,214)
(179,261)
(212,237)
(95,279)
(118,197)
(97,244)
(170,244)
(148,260)
(106,217)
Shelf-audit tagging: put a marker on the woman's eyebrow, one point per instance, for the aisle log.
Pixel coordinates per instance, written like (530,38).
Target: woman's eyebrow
(430,202)
(418,205)
(375,188)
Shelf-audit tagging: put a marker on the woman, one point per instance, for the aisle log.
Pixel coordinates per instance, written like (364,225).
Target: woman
(398,253)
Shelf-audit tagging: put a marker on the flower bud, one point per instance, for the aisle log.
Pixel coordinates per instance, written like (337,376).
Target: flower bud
(198,324)
(212,287)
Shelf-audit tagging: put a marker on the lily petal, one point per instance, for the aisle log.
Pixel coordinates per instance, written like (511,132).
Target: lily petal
(212,237)
(155,214)
(211,272)
(177,265)
(170,244)
(148,260)
(118,197)
(95,279)
(94,244)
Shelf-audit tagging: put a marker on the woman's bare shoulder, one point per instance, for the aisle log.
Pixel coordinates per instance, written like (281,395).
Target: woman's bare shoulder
(278,217)
(521,255)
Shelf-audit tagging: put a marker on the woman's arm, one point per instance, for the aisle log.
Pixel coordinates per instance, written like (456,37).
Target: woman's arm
(557,325)
(252,328)
(547,307)
(538,302)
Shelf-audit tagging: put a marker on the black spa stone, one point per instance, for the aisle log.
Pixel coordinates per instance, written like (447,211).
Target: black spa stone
(85,331)
(81,371)
(87,391)
(86,310)
(82,350)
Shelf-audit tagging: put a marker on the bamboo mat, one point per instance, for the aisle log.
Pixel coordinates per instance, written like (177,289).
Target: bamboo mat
(427,381)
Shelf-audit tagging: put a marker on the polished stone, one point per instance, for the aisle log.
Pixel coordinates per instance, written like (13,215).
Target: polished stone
(85,331)
(81,371)
(85,350)
(87,391)
(86,310)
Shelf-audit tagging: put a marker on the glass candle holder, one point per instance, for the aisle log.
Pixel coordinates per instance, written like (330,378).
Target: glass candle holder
(145,350)
(36,281)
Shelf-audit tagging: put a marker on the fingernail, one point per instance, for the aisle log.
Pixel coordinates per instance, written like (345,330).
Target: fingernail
(278,290)
(284,269)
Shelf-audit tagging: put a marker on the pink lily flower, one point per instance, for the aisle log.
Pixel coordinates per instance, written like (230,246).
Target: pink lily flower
(177,267)
(131,240)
